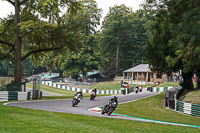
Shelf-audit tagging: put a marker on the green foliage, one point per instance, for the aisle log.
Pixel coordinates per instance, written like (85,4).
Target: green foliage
(39,27)
(86,57)
(173,36)
(173,31)
(123,39)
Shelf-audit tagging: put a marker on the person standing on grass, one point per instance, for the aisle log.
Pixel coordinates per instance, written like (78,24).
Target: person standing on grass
(127,88)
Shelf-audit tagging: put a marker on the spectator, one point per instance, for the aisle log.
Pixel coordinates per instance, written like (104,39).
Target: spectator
(127,88)
(149,86)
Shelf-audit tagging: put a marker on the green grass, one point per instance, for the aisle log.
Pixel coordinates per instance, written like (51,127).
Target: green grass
(18,120)
(110,86)
(193,97)
(64,94)
(150,108)
(53,90)
(168,84)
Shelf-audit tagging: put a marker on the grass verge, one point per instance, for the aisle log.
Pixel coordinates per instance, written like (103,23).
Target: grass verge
(18,120)
(64,94)
(150,108)
(193,97)
(168,84)
(110,86)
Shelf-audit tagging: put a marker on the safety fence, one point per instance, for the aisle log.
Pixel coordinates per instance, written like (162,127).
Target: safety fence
(49,83)
(187,108)
(64,86)
(14,95)
(161,89)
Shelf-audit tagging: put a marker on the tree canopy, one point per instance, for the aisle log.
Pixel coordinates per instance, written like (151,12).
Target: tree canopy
(86,57)
(173,37)
(38,27)
(123,38)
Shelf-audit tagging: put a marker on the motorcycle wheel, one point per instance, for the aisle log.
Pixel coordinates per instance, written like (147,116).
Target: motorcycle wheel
(110,111)
(73,102)
(91,98)
(102,112)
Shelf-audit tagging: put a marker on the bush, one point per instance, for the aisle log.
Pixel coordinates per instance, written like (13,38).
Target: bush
(2,87)
(11,87)
(14,87)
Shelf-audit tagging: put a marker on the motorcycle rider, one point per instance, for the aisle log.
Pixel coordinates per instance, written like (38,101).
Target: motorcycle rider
(95,91)
(81,94)
(114,99)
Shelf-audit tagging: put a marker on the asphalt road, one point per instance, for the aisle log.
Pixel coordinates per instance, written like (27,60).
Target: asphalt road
(90,108)
(82,108)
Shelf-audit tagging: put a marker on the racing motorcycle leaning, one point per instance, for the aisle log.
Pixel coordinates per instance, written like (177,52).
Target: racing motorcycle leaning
(92,96)
(109,108)
(76,99)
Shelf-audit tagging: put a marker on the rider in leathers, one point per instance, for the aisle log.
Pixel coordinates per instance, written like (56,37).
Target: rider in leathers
(114,99)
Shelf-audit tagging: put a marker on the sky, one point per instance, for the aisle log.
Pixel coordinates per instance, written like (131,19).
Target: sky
(105,4)
(6,8)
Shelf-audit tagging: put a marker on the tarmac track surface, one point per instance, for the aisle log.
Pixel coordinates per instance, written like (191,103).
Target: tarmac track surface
(65,106)
(90,107)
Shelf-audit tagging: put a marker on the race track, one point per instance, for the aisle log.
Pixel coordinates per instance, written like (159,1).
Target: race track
(82,108)
(91,108)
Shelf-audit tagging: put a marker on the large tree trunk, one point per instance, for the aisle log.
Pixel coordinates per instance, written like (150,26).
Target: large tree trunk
(187,83)
(84,76)
(17,73)
(117,58)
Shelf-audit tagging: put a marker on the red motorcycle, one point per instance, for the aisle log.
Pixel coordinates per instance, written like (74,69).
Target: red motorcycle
(92,96)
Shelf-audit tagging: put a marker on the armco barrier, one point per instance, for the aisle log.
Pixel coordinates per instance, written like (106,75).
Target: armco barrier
(187,108)
(161,89)
(49,83)
(14,95)
(154,89)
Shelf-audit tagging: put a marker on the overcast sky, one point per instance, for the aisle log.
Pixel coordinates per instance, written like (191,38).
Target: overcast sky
(6,8)
(105,4)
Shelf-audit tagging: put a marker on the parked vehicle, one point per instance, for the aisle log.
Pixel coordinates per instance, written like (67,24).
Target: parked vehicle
(92,96)
(76,99)
(109,108)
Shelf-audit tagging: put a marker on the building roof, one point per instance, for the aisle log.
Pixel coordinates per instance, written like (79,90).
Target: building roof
(139,68)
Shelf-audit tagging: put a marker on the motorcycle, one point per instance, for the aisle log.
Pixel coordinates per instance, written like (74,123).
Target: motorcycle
(109,108)
(92,96)
(76,99)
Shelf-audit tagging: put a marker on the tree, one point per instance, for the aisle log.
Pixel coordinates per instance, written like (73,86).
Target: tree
(86,58)
(114,33)
(123,38)
(38,27)
(173,43)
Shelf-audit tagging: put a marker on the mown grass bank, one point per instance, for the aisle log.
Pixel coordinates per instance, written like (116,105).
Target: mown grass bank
(150,108)
(192,97)
(111,86)
(64,94)
(168,84)
(18,120)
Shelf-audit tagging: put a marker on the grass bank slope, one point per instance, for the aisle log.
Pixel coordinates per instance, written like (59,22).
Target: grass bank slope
(18,120)
(150,108)
(192,97)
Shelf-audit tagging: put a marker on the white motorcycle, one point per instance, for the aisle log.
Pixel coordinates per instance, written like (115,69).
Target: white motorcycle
(76,99)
